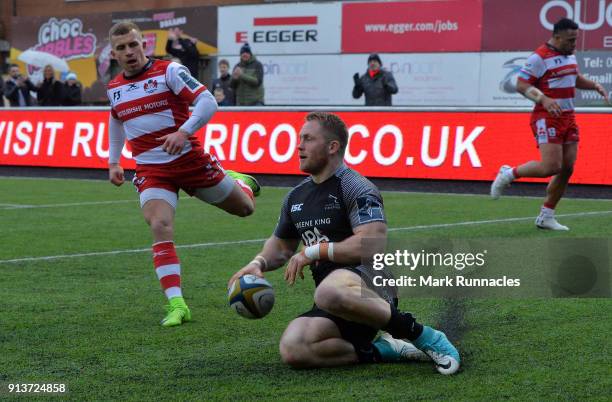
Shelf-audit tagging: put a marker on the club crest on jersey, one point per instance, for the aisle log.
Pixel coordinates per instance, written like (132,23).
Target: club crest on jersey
(150,86)
(332,204)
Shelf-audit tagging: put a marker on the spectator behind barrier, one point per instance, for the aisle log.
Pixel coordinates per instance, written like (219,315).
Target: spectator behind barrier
(71,91)
(50,90)
(184,47)
(17,88)
(247,79)
(377,84)
(220,96)
(224,81)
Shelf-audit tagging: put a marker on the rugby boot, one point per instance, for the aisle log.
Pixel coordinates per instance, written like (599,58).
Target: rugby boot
(503,180)
(246,179)
(549,222)
(178,312)
(437,346)
(397,350)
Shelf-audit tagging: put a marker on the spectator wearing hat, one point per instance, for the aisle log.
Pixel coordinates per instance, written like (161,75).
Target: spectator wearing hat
(377,84)
(224,80)
(247,79)
(71,91)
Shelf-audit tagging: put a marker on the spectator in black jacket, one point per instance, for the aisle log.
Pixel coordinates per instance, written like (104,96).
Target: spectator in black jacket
(223,81)
(71,91)
(17,88)
(377,84)
(50,91)
(184,47)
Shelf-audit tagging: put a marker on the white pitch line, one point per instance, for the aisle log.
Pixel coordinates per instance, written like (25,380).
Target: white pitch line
(234,242)
(136,250)
(70,204)
(484,222)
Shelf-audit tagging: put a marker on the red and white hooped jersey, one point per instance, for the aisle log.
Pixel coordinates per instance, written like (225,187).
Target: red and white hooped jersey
(152,104)
(554,74)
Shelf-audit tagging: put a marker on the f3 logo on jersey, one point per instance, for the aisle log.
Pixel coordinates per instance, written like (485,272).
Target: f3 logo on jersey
(116,96)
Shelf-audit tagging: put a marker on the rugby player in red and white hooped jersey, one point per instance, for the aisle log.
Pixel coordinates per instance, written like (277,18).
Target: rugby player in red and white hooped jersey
(150,103)
(550,78)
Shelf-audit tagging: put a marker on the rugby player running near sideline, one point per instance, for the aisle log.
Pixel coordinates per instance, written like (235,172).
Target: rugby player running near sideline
(150,107)
(550,78)
(332,212)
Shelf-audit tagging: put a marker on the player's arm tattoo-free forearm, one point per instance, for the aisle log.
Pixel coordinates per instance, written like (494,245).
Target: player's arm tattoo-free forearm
(116,139)
(534,94)
(276,252)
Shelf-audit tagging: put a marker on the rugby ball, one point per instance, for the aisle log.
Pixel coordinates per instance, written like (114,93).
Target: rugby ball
(251,296)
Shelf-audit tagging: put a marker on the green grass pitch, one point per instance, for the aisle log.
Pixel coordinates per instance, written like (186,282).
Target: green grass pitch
(92,322)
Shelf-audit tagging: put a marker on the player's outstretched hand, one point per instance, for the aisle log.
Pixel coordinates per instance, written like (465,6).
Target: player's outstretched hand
(250,269)
(296,267)
(174,142)
(115,174)
(551,106)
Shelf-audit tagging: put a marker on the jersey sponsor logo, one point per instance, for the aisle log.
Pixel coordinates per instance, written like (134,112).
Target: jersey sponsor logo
(150,86)
(370,209)
(314,236)
(296,207)
(116,96)
(552,132)
(189,80)
(132,87)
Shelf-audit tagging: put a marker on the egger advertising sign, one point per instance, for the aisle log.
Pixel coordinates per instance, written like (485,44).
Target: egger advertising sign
(428,145)
(305,28)
(423,26)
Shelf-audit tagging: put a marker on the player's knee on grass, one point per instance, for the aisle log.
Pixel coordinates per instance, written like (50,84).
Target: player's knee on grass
(294,349)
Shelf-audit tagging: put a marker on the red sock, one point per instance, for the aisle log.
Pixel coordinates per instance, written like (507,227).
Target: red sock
(167,268)
(549,205)
(515,173)
(245,188)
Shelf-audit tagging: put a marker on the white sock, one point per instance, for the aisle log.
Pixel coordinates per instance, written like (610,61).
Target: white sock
(548,212)
(508,174)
